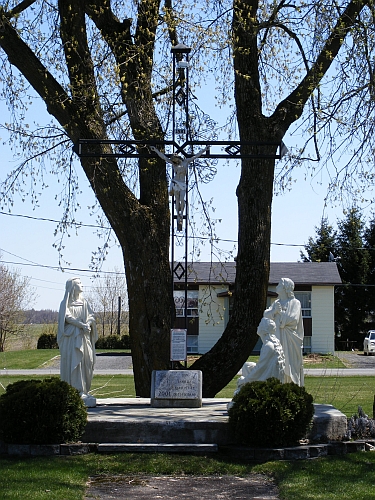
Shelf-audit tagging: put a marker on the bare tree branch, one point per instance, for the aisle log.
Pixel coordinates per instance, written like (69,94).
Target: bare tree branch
(295,102)
(19,8)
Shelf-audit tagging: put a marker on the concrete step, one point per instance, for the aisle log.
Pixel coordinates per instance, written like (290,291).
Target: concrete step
(157,448)
(134,420)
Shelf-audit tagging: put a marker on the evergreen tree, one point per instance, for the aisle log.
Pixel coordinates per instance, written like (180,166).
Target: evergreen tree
(351,299)
(369,243)
(322,249)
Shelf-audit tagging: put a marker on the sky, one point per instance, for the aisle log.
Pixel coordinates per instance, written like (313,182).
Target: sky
(26,244)
(27,235)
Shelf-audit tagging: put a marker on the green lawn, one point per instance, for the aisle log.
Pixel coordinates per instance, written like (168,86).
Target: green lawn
(28,359)
(344,393)
(330,478)
(34,358)
(345,477)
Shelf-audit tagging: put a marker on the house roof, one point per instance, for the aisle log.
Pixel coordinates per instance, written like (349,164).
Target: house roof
(302,273)
(305,273)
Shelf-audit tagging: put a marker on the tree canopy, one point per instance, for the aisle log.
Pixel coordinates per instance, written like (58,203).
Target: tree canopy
(102,68)
(352,247)
(323,248)
(15,296)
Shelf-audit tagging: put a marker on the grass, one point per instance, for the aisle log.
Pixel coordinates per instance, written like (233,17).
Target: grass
(344,477)
(28,338)
(27,360)
(329,478)
(36,358)
(103,386)
(344,393)
(324,361)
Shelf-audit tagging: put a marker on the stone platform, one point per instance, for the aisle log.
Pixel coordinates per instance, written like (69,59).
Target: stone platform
(134,421)
(133,425)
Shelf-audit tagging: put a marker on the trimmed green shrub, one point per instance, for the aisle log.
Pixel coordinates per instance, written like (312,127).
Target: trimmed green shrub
(113,342)
(47,341)
(271,414)
(46,411)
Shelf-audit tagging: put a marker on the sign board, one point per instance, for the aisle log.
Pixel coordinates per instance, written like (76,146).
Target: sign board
(178,344)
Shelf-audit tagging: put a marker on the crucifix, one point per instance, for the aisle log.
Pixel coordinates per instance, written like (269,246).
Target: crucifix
(178,185)
(181,158)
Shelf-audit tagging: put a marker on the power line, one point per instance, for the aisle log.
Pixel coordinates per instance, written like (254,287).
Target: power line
(81,224)
(60,268)
(94,226)
(43,219)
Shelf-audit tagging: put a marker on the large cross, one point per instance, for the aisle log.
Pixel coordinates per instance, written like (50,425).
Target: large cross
(180,159)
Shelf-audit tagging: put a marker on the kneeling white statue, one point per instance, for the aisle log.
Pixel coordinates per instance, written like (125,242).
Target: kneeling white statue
(76,337)
(271,361)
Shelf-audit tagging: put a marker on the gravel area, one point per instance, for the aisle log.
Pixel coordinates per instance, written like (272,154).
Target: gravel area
(104,361)
(356,359)
(108,361)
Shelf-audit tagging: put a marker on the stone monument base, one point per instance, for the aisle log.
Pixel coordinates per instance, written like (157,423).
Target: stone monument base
(133,420)
(176,389)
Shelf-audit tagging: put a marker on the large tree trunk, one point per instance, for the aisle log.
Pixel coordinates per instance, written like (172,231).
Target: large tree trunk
(254,195)
(225,359)
(143,234)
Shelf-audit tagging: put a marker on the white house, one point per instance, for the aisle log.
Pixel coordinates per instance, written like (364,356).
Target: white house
(209,298)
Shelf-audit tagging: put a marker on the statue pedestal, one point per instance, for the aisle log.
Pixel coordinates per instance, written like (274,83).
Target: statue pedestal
(176,389)
(89,401)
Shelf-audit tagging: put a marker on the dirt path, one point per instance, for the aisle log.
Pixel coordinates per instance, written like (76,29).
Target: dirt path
(186,487)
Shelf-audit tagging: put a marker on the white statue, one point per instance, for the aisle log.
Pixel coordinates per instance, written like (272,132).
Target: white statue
(76,337)
(271,361)
(287,314)
(178,182)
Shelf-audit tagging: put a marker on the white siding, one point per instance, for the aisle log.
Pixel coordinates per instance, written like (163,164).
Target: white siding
(212,316)
(323,323)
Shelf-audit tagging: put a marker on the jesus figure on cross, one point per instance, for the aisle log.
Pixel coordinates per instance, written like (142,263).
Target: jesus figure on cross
(177,187)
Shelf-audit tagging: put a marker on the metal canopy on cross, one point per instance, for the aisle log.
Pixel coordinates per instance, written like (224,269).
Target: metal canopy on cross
(140,149)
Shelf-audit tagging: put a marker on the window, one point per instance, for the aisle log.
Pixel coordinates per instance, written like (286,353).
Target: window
(305,299)
(192,344)
(192,303)
(307,345)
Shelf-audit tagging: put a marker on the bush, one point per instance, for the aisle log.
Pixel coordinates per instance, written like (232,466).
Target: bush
(46,411)
(271,414)
(360,426)
(47,341)
(113,342)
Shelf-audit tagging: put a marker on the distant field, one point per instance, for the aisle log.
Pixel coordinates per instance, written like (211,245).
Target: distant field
(28,339)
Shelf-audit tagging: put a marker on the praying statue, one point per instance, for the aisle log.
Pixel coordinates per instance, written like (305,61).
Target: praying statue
(271,361)
(178,183)
(287,314)
(76,337)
